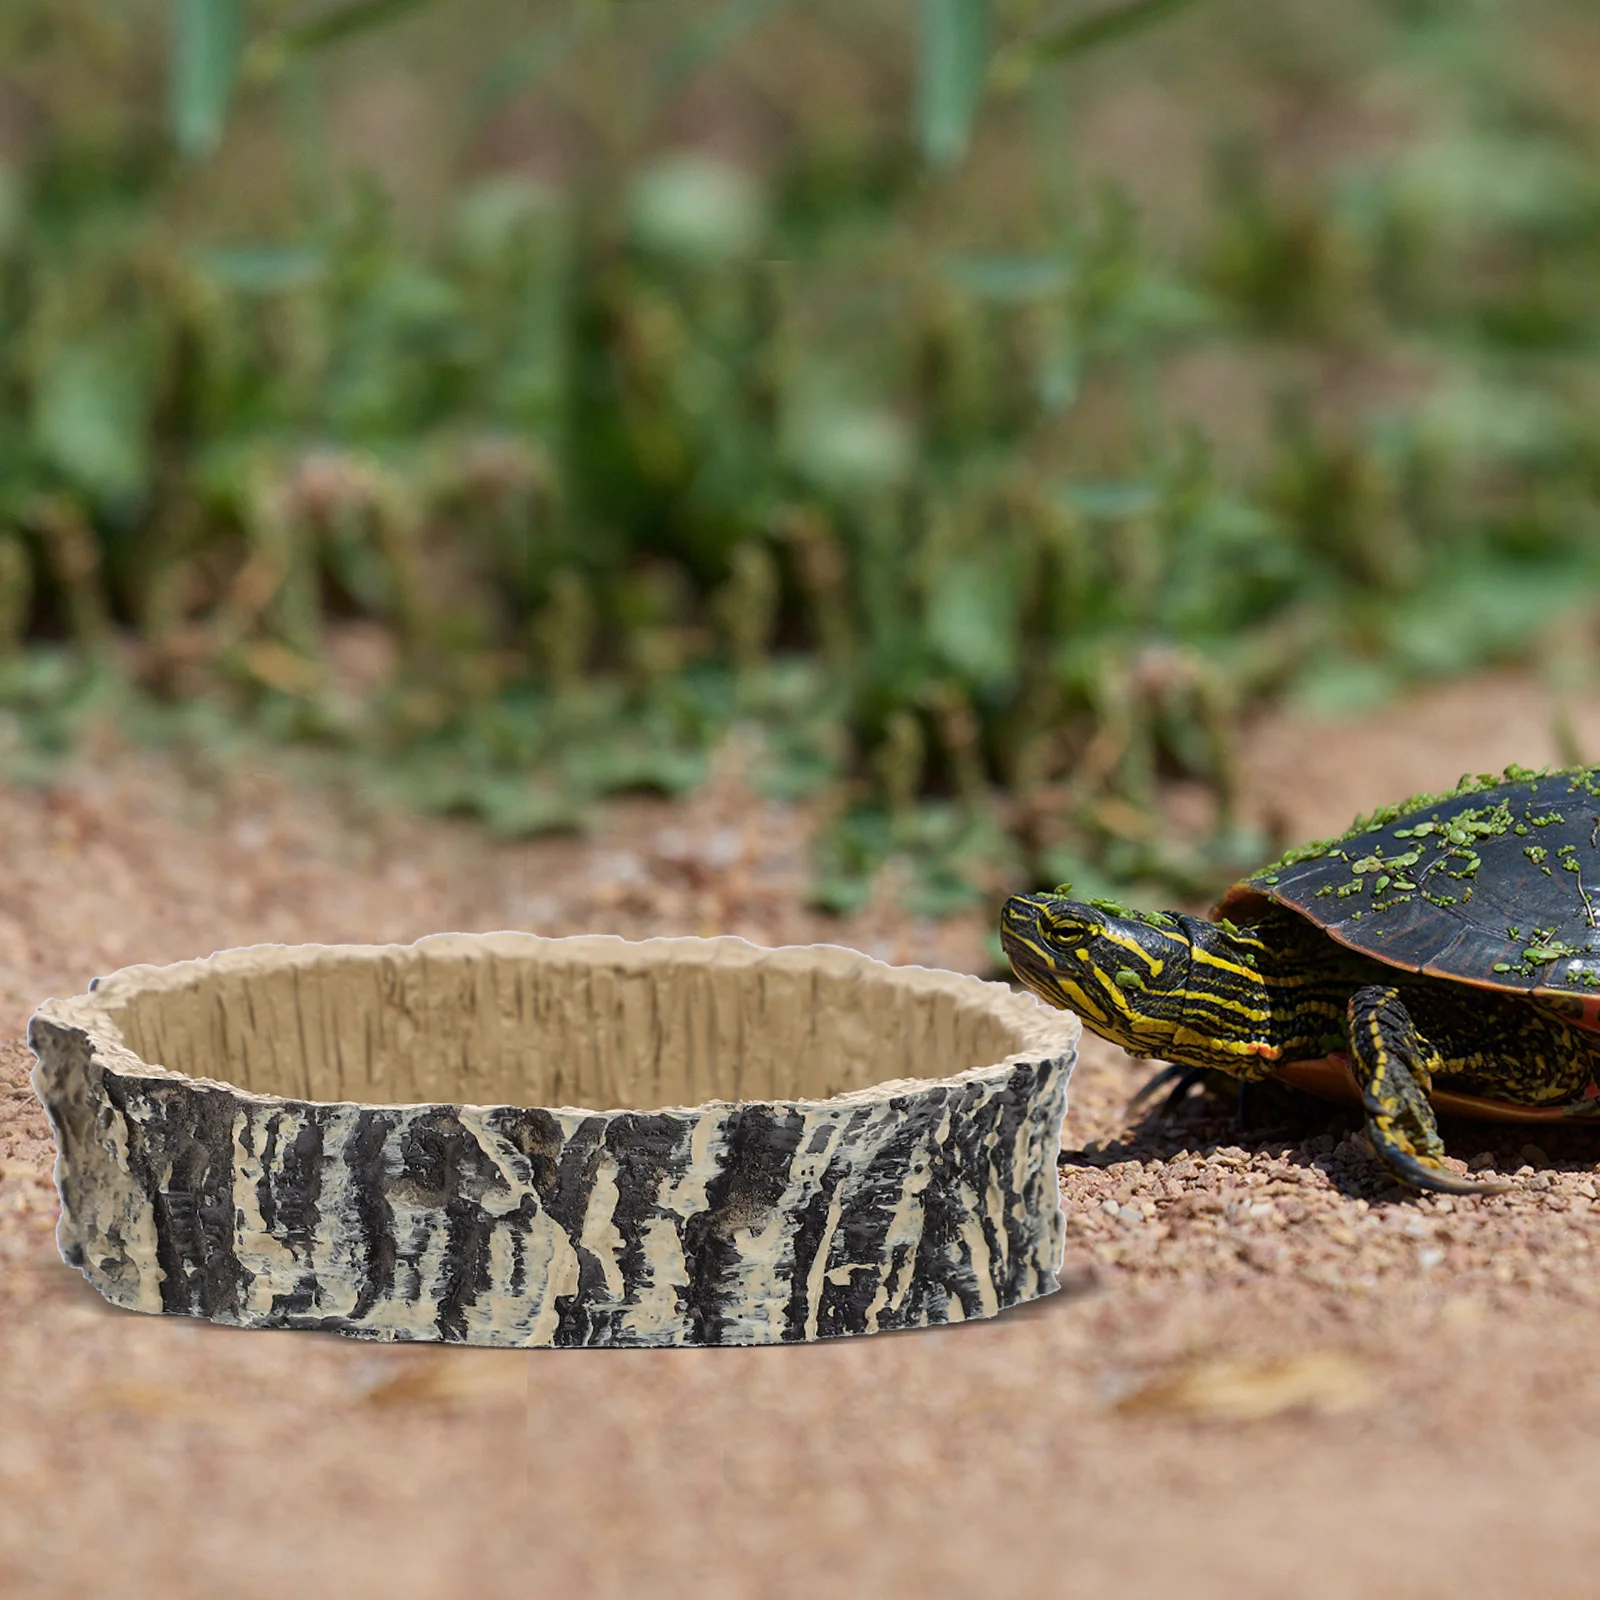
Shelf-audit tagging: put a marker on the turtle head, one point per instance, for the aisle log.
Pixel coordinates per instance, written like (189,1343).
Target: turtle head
(1137,978)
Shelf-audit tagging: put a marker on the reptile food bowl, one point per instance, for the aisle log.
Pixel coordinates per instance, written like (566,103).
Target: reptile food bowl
(390,1141)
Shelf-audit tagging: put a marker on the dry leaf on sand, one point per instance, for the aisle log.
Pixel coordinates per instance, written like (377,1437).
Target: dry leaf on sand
(1326,1381)
(456,1378)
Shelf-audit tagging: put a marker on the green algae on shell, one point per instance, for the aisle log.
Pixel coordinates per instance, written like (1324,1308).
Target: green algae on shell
(1400,883)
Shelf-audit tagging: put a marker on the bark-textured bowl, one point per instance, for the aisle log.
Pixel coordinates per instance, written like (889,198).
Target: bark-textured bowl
(388,1141)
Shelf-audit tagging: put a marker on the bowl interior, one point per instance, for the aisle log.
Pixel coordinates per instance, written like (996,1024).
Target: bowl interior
(597,1022)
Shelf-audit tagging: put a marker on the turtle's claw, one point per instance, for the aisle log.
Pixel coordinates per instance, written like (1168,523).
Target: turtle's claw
(1393,1063)
(1415,1173)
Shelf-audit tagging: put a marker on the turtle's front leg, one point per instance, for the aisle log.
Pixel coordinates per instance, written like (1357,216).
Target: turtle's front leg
(1394,1065)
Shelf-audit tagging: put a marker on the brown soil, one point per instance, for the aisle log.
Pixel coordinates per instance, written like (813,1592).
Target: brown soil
(1271,1375)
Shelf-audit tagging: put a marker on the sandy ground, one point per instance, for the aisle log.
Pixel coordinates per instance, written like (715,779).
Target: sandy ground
(1270,1373)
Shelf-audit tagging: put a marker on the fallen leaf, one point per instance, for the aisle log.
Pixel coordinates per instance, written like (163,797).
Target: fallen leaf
(459,1377)
(1324,1381)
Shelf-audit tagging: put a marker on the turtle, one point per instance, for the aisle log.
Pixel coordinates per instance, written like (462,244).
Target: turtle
(1441,955)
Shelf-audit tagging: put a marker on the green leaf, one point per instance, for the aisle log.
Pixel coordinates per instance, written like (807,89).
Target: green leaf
(939,889)
(696,208)
(206,39)
(1333,685)
(262,269)
(847,856)
(518,70)
(345,22)
(838,896)
(1106,27)
(1479,611)
(1110,501)
(698,46)
(847,449)
(89,419)
(972,617)
(1010,280)
(953,59)
(515,809)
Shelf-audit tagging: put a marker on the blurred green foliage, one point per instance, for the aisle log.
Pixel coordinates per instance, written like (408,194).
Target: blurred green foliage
(977,496)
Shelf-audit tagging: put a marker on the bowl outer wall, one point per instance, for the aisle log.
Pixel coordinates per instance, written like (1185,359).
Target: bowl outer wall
(907,1203)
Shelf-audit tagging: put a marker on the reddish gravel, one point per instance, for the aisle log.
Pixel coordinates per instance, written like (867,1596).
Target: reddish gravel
(1273,1374)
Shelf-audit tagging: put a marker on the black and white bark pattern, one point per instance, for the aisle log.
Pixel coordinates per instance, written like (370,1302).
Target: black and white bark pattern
(902,1205)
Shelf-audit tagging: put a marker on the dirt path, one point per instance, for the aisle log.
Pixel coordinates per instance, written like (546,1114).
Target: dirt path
(1272,1375)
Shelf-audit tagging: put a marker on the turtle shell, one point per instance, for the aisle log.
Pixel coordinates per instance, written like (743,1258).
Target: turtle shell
(1496,883)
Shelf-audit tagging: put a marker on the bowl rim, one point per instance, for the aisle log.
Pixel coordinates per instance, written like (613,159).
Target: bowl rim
(1046,1035)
